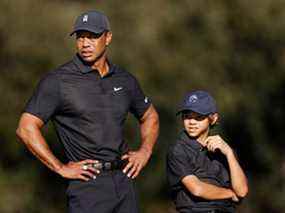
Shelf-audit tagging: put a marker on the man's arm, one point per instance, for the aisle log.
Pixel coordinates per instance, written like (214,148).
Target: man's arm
(238,178)
(149,129)
(29,132)
(206,190)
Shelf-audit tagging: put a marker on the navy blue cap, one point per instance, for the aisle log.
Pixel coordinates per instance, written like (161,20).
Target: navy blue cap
(92,21)
(198,101)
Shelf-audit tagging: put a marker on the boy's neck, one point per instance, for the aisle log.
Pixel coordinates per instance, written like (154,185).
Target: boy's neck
(202,138)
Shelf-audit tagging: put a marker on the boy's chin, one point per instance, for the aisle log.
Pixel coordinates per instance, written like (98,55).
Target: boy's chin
(192,134)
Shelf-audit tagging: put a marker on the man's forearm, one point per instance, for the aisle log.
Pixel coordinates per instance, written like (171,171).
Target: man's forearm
(149,129)
(31,136)
(238,178)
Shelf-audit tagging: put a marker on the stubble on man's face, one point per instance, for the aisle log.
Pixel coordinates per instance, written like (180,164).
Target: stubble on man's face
(91,46)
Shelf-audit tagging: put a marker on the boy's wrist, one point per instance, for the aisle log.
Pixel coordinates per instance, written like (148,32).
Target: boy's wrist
(229,153)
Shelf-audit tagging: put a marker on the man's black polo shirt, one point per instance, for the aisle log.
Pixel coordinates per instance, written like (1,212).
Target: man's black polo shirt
(187,157)
(88,110)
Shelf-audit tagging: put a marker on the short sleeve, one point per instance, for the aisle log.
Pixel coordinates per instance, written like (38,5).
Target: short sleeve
(139,102)
(179,165)
(45,99)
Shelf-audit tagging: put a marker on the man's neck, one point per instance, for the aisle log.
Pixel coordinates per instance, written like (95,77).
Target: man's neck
(101,66)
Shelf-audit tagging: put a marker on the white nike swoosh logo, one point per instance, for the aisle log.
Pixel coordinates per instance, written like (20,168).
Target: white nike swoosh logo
(116,89)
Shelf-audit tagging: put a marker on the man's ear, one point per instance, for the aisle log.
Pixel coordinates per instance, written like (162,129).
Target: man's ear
(214,118)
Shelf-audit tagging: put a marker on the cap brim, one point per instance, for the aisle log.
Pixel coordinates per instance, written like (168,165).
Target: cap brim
(192,110)
(89,29)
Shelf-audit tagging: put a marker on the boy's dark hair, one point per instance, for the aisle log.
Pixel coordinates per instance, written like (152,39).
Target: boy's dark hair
(210,116)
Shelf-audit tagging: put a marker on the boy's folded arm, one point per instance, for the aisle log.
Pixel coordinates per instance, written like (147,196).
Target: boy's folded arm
(207,191)
(238,178)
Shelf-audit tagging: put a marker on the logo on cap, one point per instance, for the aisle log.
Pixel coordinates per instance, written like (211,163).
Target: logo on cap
(192,99)
(85,18)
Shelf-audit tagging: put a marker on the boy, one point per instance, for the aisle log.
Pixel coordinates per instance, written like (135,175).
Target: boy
(202,170)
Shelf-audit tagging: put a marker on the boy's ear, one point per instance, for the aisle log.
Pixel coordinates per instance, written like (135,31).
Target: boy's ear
(214,118)
(109,38)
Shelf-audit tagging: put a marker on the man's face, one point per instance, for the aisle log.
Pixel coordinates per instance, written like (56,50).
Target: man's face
(91,46)
(196,124)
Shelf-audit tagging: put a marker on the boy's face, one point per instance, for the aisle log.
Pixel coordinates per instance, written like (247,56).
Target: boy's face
(197,125)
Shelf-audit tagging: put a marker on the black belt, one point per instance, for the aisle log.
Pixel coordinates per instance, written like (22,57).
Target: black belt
(109,165)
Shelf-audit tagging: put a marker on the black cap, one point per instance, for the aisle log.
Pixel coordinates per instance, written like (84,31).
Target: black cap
(92,21)
(198,101)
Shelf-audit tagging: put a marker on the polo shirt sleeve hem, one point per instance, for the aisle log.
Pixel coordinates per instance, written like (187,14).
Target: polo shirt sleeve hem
(178,166)
(141,114)
(179,179)
(185,175)
(38,115)
(139,102)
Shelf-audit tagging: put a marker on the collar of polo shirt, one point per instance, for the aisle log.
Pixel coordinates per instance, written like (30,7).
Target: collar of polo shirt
(193,143)
(85,68)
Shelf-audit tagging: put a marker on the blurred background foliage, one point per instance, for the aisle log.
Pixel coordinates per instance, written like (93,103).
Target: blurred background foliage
(235,49)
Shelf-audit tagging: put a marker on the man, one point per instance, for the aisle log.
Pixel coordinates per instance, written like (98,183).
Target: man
(88,100)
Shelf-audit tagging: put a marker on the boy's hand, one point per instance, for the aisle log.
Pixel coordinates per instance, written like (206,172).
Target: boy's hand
(213,143)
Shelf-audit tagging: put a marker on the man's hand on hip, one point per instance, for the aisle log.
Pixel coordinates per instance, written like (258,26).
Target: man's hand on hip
(136,161)
(82,170)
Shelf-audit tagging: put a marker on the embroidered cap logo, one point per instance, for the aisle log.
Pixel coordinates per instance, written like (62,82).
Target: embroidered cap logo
(193,99)
(85,18)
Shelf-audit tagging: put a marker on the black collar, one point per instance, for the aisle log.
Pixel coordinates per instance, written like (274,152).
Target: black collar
(86,68)
(194,144)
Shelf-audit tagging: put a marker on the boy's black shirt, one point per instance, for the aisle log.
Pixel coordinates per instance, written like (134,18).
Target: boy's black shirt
(188,157)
